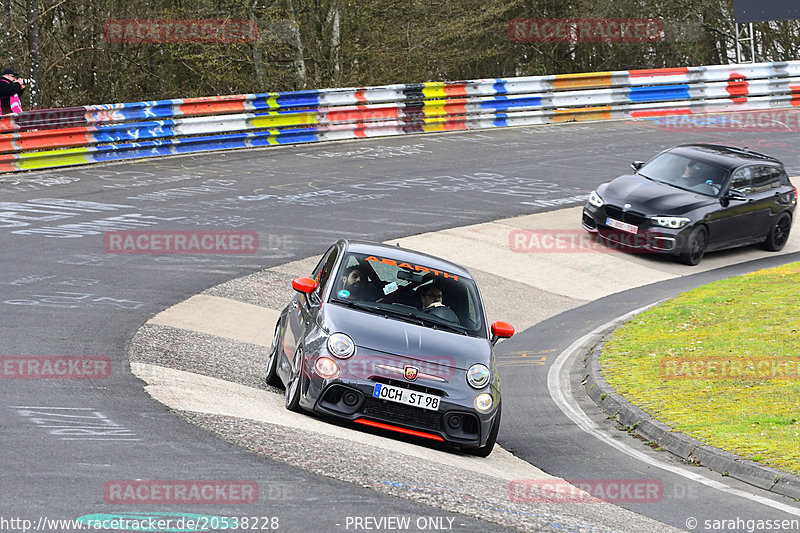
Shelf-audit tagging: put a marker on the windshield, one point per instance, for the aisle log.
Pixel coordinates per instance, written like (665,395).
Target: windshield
(409,292)
(685,173)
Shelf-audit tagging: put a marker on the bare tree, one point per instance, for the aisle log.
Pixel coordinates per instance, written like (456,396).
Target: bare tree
(334,43)
(33,46)
(299,50)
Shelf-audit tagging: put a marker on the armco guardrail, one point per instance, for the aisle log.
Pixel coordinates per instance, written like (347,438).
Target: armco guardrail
(61,137)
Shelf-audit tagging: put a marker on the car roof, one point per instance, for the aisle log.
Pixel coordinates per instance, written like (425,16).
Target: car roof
(404,255)
(729,157)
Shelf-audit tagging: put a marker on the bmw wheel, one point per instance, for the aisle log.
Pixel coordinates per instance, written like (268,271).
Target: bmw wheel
(778,233)
(292,396)
(272,360)
(698,242)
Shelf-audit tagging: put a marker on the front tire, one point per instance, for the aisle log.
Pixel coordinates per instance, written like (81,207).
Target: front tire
(487,448)
(779,233)
(272,377)
(292,393)
(698,242)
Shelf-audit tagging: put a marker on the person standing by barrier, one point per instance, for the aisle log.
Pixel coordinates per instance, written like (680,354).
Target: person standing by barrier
(11,87)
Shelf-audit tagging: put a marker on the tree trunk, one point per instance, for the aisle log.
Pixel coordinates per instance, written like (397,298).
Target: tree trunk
(336,41)
(33,44)
(297,42)
(6,29)
(258,59)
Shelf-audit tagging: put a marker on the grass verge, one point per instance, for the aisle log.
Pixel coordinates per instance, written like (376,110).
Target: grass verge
(720,363)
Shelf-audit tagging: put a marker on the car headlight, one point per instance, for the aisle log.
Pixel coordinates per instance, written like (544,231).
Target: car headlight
(671,222)
(341,346)
(478,376)
(595,199)
(483,402)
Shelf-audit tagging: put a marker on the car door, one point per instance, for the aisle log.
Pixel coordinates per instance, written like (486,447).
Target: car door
(763,199)
(304,308)
(728,224)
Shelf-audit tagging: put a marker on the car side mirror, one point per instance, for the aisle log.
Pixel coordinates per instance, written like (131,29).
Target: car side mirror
(501,330)
(304,285)
(636,165)
(735,194)
(308,287)
(732,194)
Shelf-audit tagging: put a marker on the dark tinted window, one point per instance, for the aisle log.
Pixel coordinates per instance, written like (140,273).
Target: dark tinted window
(325,267)
(766,178)
(742,180)
(685,172)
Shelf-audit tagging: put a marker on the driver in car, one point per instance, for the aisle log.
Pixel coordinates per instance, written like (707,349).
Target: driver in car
(694,177)
(431,297)
(691,173)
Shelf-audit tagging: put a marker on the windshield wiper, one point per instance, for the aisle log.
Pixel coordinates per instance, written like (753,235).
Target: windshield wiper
(381,311)
(420,320)
(445,325)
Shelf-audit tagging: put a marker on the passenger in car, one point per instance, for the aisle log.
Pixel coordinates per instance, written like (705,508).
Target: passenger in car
(431,297)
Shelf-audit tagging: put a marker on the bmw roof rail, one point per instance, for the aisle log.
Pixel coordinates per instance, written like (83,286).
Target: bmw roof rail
(746,150)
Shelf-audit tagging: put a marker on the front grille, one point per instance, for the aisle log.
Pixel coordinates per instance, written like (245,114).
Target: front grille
(631,217)
(398,412)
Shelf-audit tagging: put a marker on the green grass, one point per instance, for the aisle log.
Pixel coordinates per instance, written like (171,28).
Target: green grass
(749,402)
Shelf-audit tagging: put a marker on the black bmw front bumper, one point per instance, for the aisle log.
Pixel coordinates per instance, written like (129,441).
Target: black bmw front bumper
(648,237)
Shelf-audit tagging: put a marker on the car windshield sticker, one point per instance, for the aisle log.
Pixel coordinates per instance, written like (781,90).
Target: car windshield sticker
(344,293)
(391,287)
(409,266)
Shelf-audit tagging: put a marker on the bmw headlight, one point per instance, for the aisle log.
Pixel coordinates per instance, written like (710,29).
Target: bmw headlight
(478,376)
(595,199)
(671,222)
(341,346)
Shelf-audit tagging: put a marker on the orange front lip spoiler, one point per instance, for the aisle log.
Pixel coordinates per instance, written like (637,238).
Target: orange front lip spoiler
(379,425)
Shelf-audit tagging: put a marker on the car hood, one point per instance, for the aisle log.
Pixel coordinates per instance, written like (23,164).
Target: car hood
(650,197)
(394,336)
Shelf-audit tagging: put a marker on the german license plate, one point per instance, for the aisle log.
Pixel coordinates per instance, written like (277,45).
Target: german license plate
(624,226)
(405,396)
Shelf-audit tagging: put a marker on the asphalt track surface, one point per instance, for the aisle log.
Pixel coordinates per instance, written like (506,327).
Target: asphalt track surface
(64,294)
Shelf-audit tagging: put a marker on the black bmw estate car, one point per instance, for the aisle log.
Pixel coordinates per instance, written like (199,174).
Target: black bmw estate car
(393,340)
(693,199)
